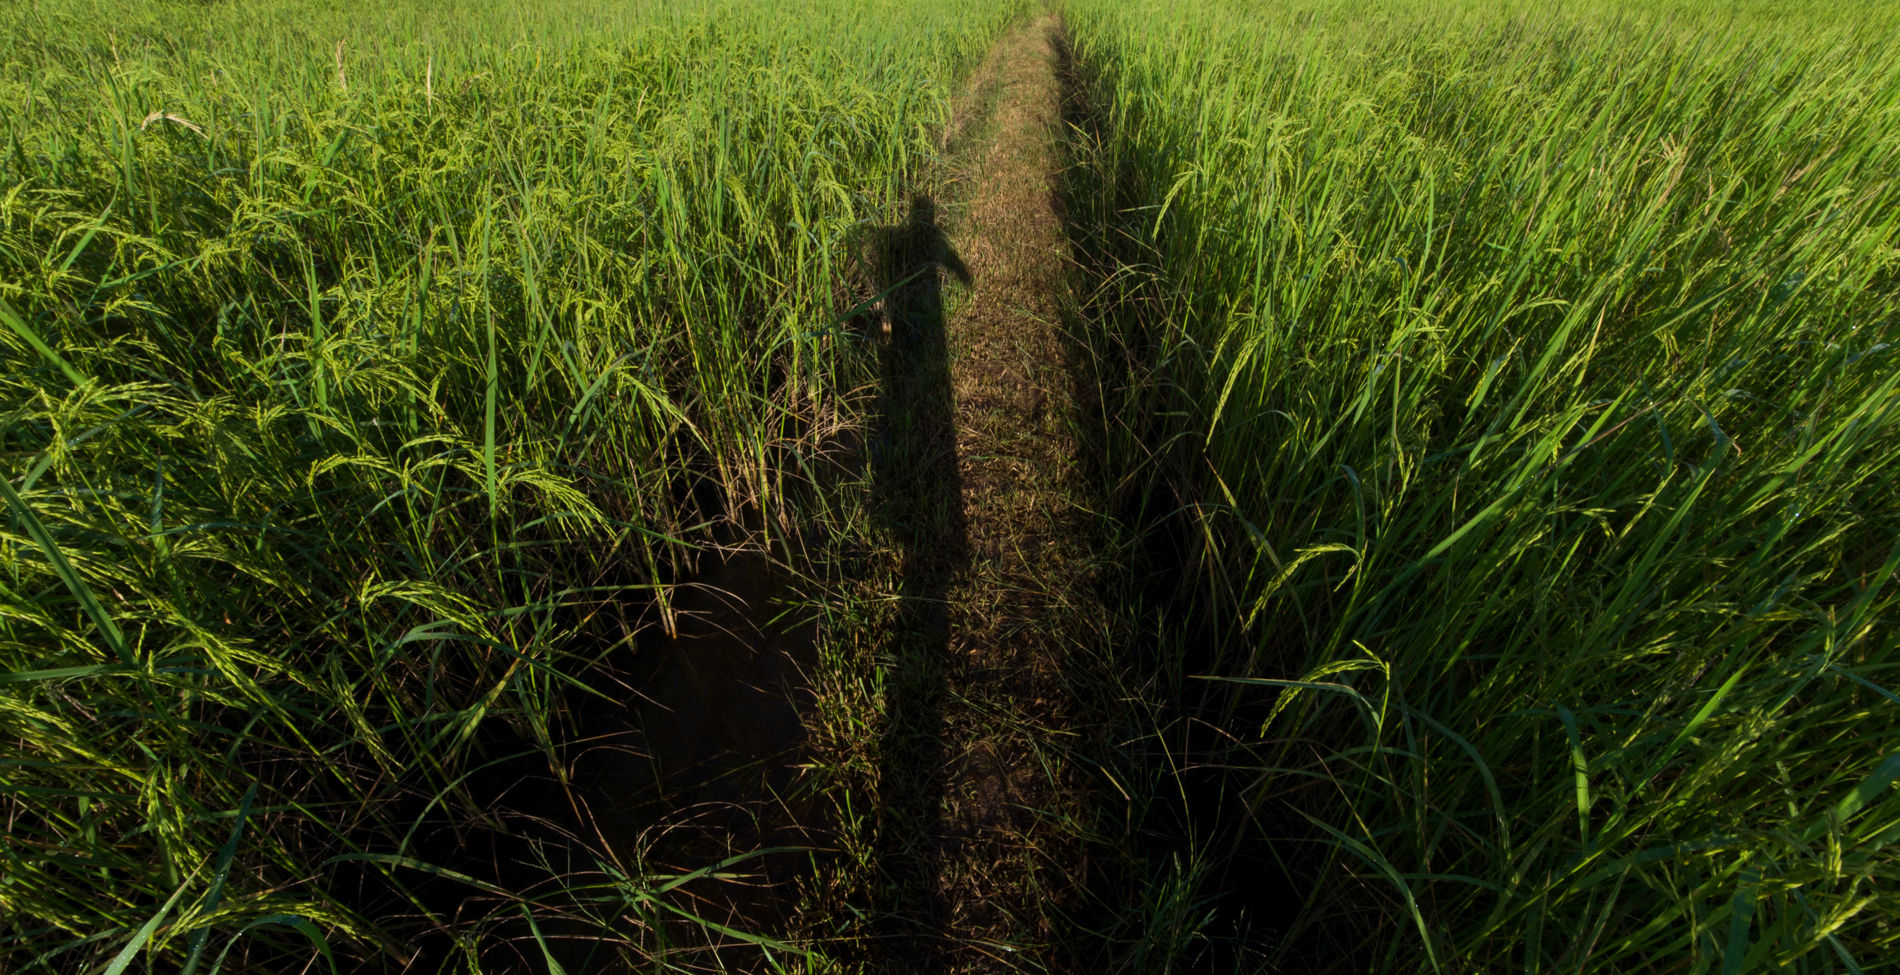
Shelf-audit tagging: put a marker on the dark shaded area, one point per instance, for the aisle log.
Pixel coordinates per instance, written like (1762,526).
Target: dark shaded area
(673,751)
(917,496)
(687,758)
(472,860)
(455,859)
(1191,822)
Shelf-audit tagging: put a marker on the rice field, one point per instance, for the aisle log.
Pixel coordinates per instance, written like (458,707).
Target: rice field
(1527,379)
(1496,421)
(369,370)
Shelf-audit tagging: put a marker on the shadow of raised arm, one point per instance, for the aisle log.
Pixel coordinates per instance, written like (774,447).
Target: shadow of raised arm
(934,244)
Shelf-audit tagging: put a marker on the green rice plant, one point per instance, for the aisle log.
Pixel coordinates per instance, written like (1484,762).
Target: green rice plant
(368,370)
(1531,375)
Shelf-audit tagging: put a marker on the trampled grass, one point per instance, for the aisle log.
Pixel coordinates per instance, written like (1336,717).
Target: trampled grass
(1532,377)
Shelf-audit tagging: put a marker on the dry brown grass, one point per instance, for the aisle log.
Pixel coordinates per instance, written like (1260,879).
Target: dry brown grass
(1010,795)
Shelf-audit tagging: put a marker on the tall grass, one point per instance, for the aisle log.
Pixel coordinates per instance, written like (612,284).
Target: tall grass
(1532,375)
(367,370)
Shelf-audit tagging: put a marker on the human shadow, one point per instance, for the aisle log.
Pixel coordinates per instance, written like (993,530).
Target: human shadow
(917,496)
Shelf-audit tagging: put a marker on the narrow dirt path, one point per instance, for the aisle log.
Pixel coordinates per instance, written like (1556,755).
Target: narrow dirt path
(979,615)
(1010,860)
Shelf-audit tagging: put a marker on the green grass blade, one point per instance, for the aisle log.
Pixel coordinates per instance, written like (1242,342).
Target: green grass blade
(22,512)
(32,338)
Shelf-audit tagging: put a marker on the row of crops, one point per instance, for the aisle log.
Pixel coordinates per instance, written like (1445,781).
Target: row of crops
(1531,374)
(365,369)
(1503,431)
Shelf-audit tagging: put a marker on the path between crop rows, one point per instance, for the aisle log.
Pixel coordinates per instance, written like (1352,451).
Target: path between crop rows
(984,860)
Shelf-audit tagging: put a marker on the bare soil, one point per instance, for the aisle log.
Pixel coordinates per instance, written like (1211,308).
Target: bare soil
(1009,861)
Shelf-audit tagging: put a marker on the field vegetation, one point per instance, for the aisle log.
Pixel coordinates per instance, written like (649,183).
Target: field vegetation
(368,374)
(1492,411)
(1517,386)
